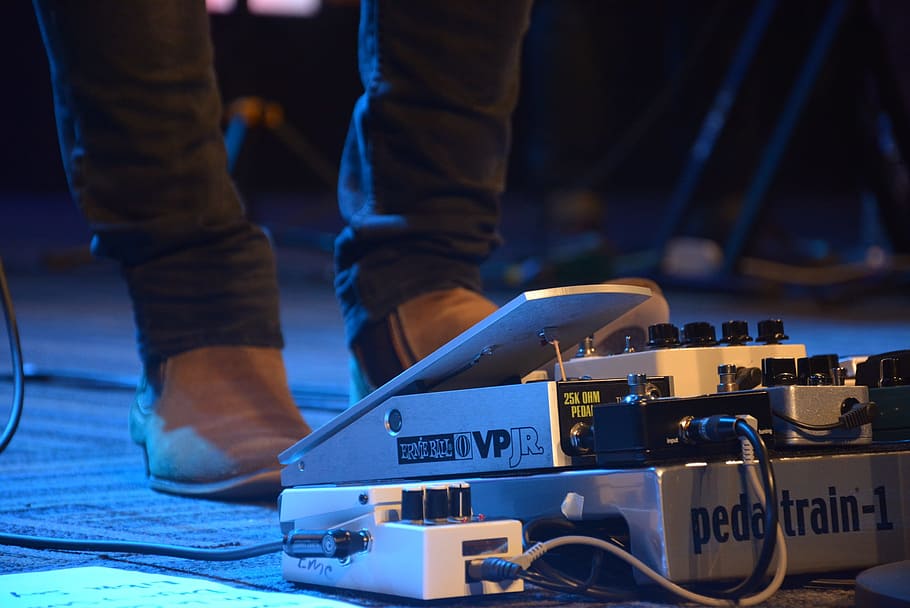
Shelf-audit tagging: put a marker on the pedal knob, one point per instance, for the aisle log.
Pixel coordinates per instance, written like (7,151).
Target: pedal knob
(699,333)
(816,369)
(778,371)
(891,372)
(735,333)
(437,504)
(771,331)
(663,335)
(412,504)
(460,502)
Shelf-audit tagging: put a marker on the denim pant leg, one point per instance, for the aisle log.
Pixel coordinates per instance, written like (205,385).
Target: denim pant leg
(138,115)
(425,160)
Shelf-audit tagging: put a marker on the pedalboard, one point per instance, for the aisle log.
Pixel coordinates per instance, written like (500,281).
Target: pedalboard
(621,438)
(691,522)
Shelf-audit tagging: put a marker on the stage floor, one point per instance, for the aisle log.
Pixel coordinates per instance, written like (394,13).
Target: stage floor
(71,470)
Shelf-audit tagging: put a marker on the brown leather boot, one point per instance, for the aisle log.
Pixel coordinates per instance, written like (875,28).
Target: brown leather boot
(411,332)
(213,420)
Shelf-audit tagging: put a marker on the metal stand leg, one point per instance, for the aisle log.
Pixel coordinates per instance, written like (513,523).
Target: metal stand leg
(714,122)
(780,138)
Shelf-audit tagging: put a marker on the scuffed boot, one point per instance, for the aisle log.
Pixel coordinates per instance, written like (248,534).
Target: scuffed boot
(411,332)
(213,420)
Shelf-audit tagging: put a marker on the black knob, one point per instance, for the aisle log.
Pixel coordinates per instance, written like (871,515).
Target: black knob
(771,331)
(816,369)
(437,503)
(735,333)
(412,504)
(460,501)
(663,335)
(699,333)
(778,371)
(891,372)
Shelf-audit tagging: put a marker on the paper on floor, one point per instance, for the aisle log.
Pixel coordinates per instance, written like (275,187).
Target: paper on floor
(113,588)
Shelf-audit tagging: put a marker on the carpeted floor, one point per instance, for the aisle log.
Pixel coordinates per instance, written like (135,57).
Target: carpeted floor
(71,471)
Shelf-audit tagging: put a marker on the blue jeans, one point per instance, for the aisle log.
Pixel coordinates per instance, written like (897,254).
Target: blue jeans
(139,121)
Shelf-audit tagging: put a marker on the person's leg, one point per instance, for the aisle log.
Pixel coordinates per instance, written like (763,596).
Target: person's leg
(139,116)
(422,172)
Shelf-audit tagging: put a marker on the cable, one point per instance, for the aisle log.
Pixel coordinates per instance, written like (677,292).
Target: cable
(861,414)
(723,428)
(12,331)
(755,459)
(517,567)
(745,431)
(322,398)
(549,576)
(116,546)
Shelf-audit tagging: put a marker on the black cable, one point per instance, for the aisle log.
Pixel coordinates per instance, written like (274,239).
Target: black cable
(712,428)
(769,486)
(548,576)
(595,591)
(724,428)
(75,378)
(856,417)
(116,546)
(806,425)
(12,331)
(313,397)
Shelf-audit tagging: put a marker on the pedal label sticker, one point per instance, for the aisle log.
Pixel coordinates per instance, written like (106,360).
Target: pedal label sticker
(426,448)
(512,444)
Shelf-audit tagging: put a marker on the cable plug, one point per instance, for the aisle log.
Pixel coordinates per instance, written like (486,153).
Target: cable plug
(709,429)
(746,448)
(862,413)
(499,568)
(336,543)
(494,569)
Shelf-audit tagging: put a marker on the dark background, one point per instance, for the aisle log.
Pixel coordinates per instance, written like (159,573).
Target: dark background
(618,57)
(626,83)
